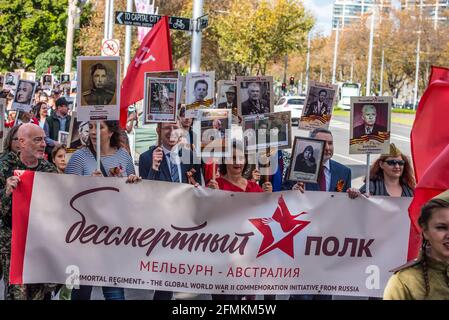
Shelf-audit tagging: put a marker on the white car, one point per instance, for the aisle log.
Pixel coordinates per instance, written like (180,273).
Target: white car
(294,104)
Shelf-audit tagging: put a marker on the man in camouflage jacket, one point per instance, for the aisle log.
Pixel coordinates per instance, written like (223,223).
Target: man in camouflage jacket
(31,157)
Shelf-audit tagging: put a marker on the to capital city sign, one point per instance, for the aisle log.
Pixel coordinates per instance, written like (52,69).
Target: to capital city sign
(149,20)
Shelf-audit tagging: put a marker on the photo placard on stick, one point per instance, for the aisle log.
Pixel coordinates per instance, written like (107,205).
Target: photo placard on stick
(213,127)
(254,95)
(47,81)
(370,125)
(270,130)
(306,159)
(160,99)
(200,92)
(98,89)
(64,81)
(11,81)
(23,98)
(318,106)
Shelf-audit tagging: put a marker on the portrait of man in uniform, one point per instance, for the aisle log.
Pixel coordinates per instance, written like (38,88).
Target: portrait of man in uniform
(101,92)
(255,104)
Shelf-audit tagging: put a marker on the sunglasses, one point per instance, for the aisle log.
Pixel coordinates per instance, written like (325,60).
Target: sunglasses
(395,162)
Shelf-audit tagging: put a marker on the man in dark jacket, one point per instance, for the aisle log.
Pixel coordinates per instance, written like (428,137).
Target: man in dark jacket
(58,121)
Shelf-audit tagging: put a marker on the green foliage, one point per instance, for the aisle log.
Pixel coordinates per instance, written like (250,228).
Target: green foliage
(29,28)
(54,58)
(254,35)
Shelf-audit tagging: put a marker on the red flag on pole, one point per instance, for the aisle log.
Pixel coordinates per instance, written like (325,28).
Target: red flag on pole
(430,149)
(154,54)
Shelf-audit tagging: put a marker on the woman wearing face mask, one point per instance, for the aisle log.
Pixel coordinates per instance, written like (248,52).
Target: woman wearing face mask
(390,175)
(426,278)
(115,162)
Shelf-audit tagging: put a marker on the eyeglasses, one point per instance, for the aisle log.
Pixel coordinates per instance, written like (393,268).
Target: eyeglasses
(395,162)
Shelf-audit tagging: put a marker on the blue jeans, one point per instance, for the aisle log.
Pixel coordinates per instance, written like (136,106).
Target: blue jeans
(109,293)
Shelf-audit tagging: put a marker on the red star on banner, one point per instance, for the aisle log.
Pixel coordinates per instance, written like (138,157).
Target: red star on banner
(288,224)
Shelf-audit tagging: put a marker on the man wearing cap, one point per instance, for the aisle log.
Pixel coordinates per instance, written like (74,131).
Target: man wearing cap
(231,101)
(58,121)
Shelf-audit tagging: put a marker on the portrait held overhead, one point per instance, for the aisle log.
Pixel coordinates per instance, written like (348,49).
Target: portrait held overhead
(11,81)
(318,106)
(160,99)
(98,83)
(254,95)
(370,123)
(200,91)
(23,98)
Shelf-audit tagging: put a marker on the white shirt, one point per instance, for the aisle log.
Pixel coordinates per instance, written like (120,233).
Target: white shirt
(327,174)
(174,158)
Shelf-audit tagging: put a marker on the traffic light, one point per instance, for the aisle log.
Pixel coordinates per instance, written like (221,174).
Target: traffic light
(284,87)
(292,81)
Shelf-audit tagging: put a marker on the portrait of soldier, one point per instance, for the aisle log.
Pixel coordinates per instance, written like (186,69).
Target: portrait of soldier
(24,92)
(318,107)
(369,125)
(161,99)
(65,78)
(10,79)
(47,80)
(255,104)
(101,93)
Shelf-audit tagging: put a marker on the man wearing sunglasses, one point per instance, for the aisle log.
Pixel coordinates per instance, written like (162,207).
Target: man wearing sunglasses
(369,126)
(31,157)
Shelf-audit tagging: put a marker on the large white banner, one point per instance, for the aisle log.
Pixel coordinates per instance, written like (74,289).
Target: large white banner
(167,236)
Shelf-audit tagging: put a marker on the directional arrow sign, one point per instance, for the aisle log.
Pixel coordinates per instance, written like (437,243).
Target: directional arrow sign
(149,20)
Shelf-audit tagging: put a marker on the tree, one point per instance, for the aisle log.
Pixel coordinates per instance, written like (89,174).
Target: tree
(54,58)
(29,28)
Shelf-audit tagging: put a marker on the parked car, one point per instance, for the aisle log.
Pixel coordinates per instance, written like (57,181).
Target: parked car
(294,104)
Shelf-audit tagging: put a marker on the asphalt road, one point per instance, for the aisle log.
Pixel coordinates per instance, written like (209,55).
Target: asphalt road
(400,136)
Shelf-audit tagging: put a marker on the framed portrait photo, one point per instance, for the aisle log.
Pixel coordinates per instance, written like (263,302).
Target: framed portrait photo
(78,133)
(160,99)
(307,155)
(11,81)
(370,125)
(254,95)
(63,137)
(47,81)
(213,128)
(270,130)
(64,81)
(318,106)
(200,91)
(23,98)
(98,90)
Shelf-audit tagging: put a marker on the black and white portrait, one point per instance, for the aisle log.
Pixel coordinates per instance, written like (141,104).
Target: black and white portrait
(306,158)
(200,91)
(23,98)
(98,90)
(318,106)
(47,81)
(11,81)
(254,95)
(160,99)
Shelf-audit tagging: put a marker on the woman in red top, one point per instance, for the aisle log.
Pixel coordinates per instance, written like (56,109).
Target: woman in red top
(231,175)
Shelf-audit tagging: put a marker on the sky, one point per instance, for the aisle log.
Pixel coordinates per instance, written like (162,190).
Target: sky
(322,11)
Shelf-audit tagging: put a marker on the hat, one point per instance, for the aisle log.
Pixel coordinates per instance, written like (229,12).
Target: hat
(61,101)
(443,196)
(394,151)
(231,89)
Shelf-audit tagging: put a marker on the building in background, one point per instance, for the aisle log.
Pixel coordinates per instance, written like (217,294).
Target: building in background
(433,9)
(346,12)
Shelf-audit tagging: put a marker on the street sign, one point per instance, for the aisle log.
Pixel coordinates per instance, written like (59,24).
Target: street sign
(203,22)
(149,20)
(110,47)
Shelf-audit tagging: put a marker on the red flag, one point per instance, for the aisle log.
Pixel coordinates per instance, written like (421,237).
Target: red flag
(430,134)
(430,149)
(154,54)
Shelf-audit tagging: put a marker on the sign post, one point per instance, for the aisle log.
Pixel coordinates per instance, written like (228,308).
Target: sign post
(149,20)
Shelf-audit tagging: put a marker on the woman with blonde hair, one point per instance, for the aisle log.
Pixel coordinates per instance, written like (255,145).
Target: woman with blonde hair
(390,175)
